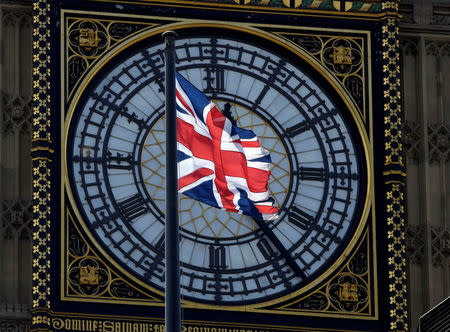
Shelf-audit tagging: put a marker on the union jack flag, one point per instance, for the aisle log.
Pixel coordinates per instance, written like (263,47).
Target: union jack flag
(220,164)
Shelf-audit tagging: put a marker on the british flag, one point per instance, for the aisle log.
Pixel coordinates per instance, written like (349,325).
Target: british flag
(218,163)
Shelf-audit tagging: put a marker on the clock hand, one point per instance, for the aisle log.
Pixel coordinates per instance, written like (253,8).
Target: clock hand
(283,251)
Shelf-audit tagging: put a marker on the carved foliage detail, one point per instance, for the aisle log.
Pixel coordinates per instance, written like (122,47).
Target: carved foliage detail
(16,219)
(415,243)
(16,114)
(412,139)
(440,246)
(441,15)
(439,142)
(15,325)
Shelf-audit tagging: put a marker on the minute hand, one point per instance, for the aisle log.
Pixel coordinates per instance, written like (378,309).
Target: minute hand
(283,251)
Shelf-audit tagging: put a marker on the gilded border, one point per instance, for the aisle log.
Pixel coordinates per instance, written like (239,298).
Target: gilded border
(394,174)
(362,8)
(256,29)
(41,164)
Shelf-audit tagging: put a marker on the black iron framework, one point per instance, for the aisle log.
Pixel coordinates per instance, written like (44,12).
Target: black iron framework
(336,178)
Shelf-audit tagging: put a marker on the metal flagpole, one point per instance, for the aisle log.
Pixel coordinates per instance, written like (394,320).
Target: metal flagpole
(173,305)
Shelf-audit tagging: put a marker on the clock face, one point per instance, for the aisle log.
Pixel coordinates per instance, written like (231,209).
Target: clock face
(116,169)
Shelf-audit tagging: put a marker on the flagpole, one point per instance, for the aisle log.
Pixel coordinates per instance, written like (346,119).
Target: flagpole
(172,304)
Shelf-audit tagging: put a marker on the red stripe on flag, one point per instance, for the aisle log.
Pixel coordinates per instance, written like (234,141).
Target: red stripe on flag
(250,144)
(215,122)
(200,146)
(194,176)
(180,98)
(257,179)
(266,209)
(233,164)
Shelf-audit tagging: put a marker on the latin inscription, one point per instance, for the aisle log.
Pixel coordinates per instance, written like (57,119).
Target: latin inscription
(100,325)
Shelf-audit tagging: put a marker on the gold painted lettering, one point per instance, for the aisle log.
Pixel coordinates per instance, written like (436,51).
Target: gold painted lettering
(108,326)
(58,323)
(76,324)
(159,328)
(68,324)
(94,326)
(129,327)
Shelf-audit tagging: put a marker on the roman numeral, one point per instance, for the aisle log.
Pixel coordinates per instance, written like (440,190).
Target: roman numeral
(122,111)
(105,220)
(297,129)
(300,218)
(217,257)
(119,161)
(312,173)
(133,207)
(215,80)
(265,249)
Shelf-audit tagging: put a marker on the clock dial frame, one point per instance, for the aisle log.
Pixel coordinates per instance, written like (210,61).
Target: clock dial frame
(268,276)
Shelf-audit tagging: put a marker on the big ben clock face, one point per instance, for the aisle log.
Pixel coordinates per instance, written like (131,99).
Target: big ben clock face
(116,167)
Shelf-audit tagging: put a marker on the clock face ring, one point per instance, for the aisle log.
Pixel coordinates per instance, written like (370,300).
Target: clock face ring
(320,155)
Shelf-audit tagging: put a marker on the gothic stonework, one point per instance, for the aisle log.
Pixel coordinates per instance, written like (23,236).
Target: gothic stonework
(439,142)
(412,139)
(426,68)
(440,250)
(415,243)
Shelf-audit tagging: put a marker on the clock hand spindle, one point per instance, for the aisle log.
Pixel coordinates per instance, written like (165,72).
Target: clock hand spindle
(283,251)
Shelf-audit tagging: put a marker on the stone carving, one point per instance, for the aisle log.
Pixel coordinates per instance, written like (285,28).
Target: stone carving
(415,243)
(16,114)
(412,139)
(437,48)
(441,15)
(15,325)
(407,11)
(440,246)
(439,142)
(16,220)
(408,46)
